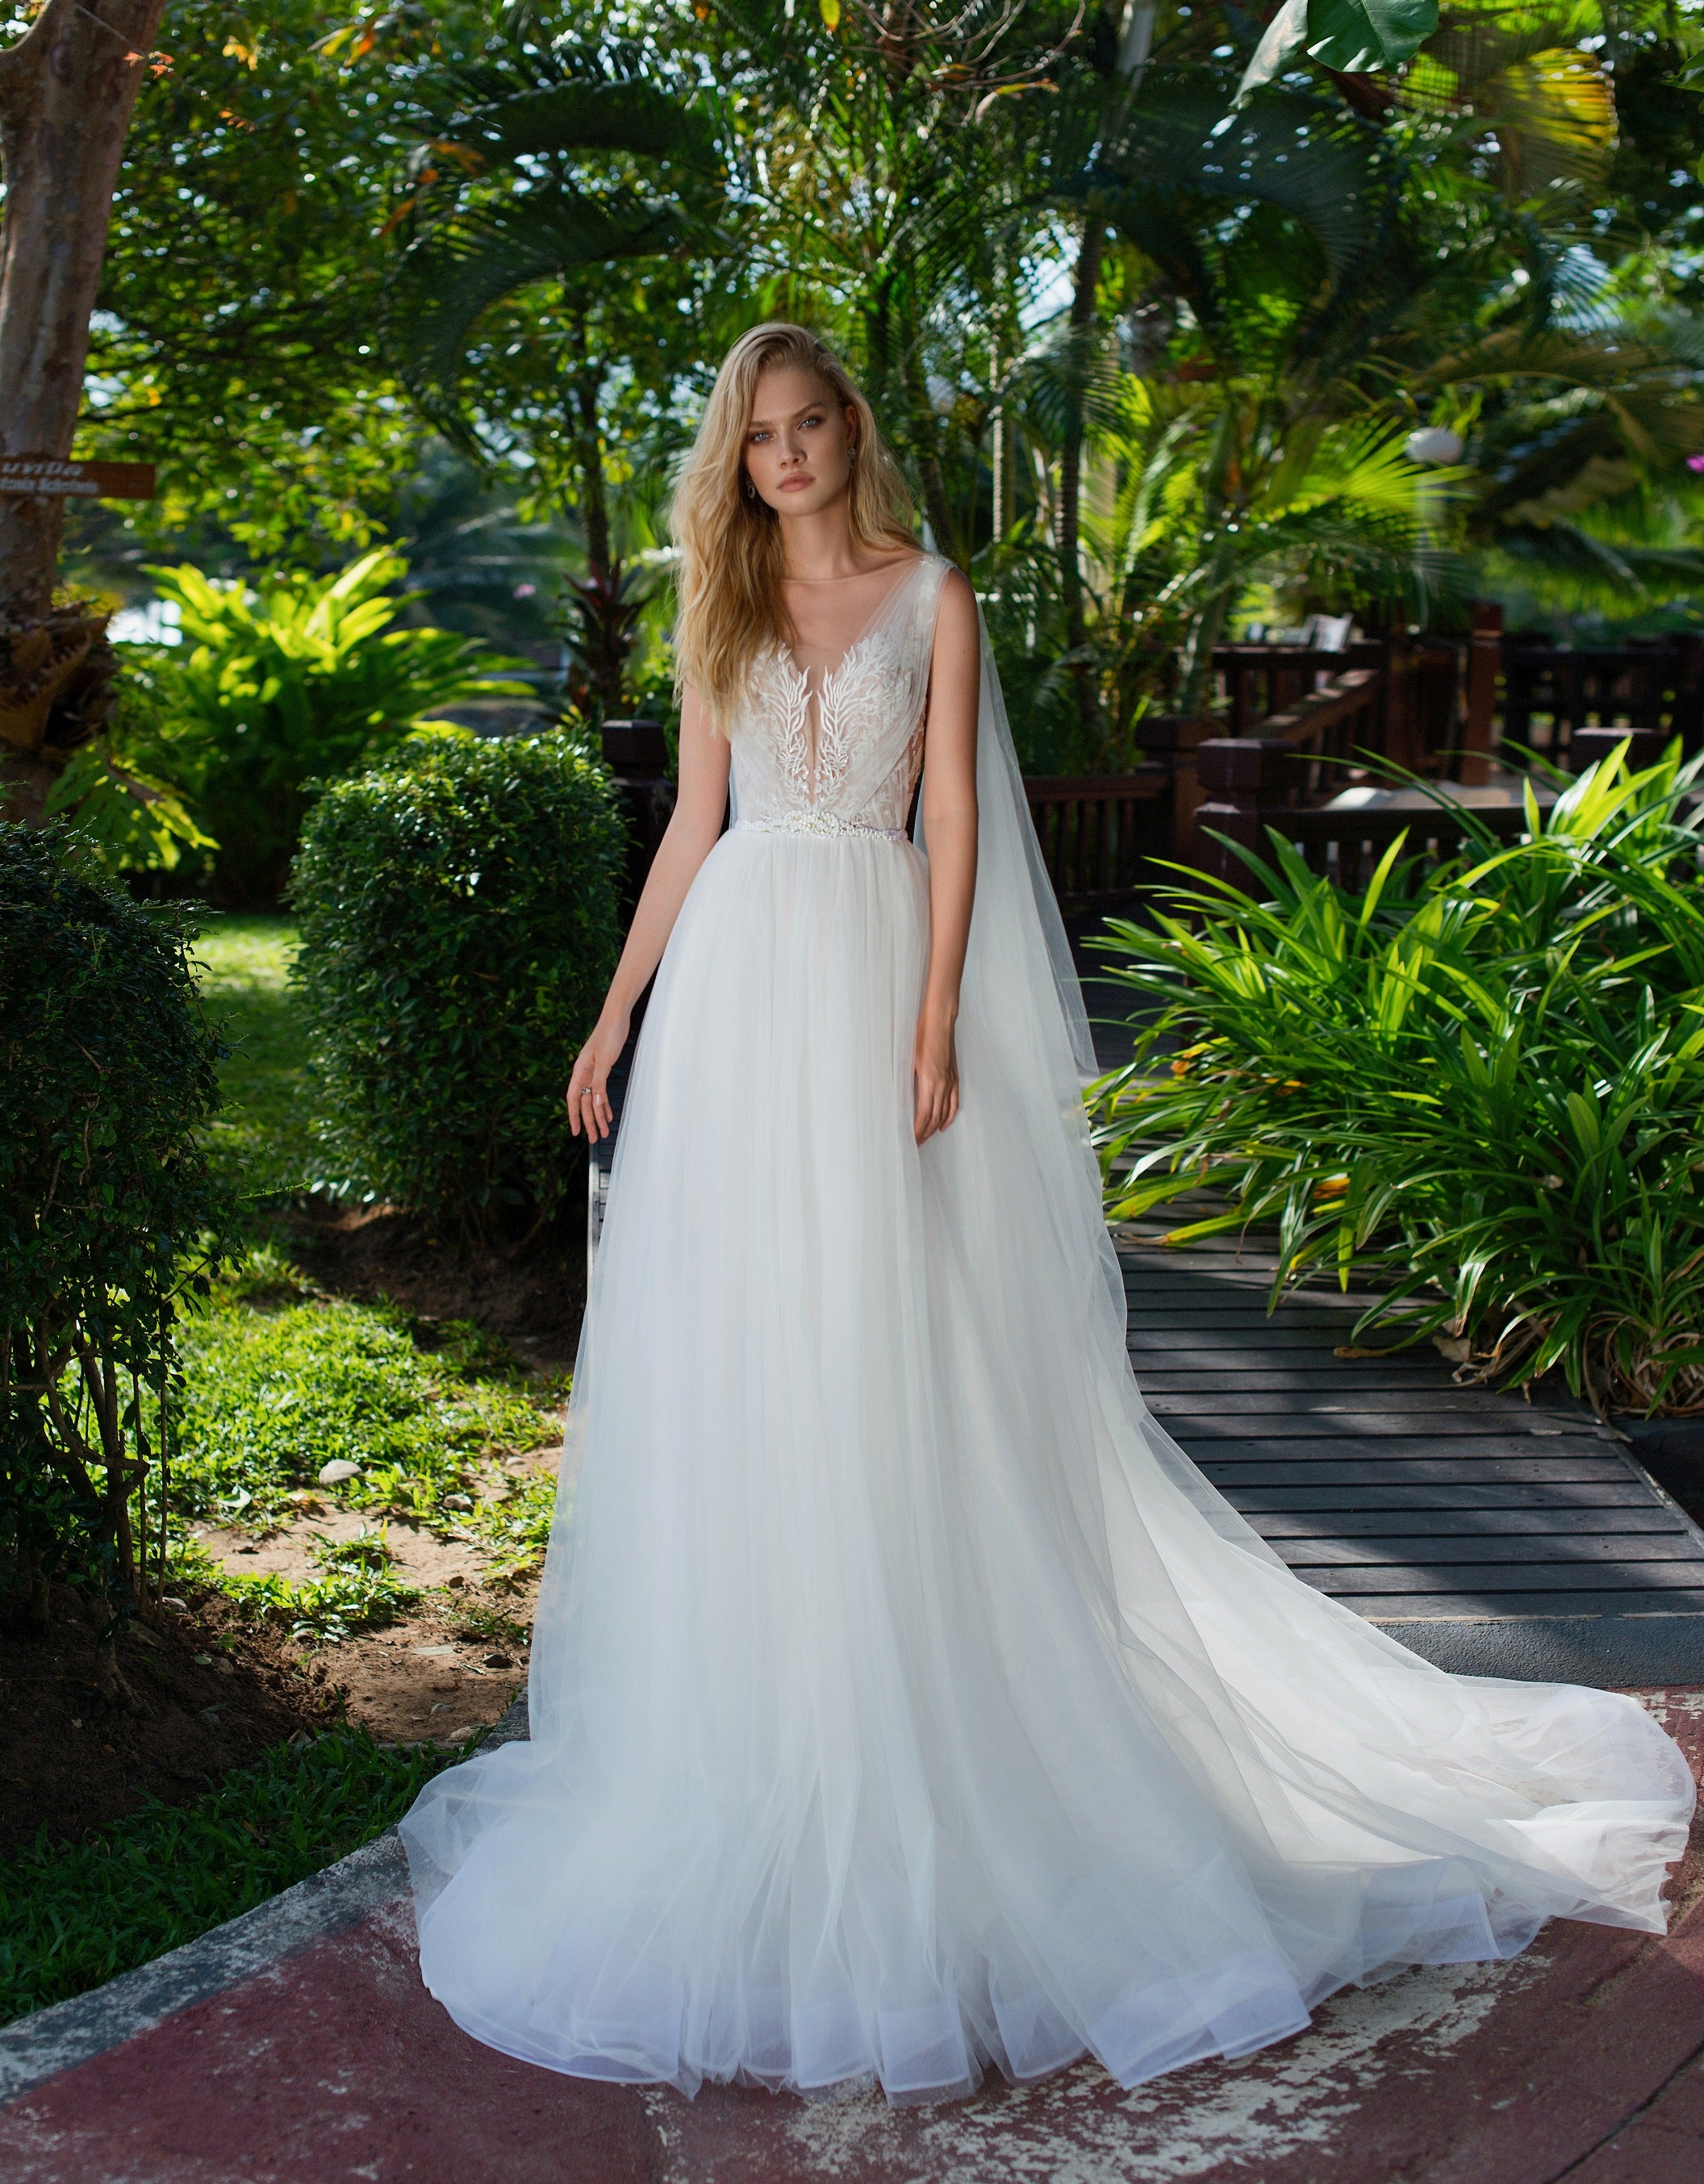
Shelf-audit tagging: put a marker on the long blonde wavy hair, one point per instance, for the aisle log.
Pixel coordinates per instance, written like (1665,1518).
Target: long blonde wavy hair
(732,564)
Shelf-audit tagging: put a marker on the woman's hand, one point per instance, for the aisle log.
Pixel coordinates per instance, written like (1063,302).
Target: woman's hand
(935,1075)
(588,1088)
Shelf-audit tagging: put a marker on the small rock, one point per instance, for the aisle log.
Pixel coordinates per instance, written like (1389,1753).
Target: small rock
(182,1606)
(455,1583)
(456,1502)
(499,1661)
(340,1469)
(224,1668)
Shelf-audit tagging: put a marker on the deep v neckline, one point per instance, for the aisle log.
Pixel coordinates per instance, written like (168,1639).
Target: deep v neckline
(861,635)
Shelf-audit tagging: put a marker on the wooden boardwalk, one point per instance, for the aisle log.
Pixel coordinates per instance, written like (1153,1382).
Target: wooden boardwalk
(1492,1534)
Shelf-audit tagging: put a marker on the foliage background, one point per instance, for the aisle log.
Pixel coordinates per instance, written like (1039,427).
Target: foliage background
(1150,357)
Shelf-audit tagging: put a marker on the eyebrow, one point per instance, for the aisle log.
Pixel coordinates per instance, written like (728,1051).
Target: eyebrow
(802,411)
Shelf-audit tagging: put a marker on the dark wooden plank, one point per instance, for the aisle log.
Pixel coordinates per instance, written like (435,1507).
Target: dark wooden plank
(1219,1311)
(1469,1449)
(1270,1334)
(1394,1577)
(1310,1428)
(1346,1528)
(1328,1377)
(1254,1498)
(1449,1606)
(1515,1552)
(1382,1401)
(1416,1471)
(1239,1292)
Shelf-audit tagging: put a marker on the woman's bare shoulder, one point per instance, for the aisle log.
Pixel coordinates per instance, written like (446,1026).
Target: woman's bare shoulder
(955,612)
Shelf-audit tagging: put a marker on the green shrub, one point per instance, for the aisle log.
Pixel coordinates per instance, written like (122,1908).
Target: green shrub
(104,1192)
(73,1916)
(458,915)
(270,692)
(1485,1083)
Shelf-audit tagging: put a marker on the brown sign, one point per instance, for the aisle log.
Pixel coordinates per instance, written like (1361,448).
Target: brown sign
(45,474)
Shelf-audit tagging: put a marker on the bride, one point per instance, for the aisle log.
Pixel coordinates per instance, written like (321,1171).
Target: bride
(902,1699)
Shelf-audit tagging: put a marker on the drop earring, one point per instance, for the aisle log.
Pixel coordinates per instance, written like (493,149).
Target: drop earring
(750,489)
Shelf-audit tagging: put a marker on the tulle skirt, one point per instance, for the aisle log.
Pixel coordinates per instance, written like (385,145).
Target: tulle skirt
(902,1700)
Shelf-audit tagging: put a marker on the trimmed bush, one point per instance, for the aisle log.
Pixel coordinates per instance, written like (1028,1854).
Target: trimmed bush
(458,913)
(104,1191)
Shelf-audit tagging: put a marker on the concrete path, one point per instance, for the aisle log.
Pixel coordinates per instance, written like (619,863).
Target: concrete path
(297,2047)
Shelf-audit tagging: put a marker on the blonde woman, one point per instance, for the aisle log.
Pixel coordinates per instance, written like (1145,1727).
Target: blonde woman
(903,1702)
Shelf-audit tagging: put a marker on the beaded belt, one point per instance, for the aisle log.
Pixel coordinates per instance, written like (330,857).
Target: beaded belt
(816,823)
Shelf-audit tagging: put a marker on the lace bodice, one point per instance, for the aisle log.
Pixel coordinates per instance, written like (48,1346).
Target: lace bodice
(837,750)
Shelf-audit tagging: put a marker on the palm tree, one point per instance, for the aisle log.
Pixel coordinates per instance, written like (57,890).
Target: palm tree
(547,172)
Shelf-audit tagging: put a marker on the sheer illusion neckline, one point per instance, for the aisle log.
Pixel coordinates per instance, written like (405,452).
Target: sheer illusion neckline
(866,628)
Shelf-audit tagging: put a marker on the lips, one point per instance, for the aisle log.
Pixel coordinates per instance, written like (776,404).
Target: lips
(791,484)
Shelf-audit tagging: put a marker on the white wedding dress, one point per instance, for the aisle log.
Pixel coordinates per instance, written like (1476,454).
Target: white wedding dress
(902,1699)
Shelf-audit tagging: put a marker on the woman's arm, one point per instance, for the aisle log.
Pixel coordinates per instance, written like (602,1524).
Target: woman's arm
(687,840)
(950,824)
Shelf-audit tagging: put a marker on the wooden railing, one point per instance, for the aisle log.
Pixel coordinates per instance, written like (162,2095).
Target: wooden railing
(1285,773)
(1575,704)
(1099,835)
(1347,843)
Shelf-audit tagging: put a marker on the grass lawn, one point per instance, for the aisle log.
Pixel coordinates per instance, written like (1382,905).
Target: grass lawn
(263,1142)
(73,1916)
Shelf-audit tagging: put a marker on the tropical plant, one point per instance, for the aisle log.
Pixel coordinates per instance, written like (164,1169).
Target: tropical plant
(274,691)
(128,792)
(108,1215)
(1478,1084)
(458,908)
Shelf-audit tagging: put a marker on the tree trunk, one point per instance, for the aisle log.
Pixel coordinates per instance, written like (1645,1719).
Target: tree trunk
(67,89)
(1069,534)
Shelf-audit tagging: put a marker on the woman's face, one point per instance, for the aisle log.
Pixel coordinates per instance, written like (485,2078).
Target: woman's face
(799,443)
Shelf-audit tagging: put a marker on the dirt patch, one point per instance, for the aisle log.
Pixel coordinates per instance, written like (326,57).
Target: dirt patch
(210,1693)
(534,1298)
(450,1664)
(427,1679)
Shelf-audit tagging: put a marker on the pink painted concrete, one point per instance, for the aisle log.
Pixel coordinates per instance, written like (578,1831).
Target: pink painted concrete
(1583,2061)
